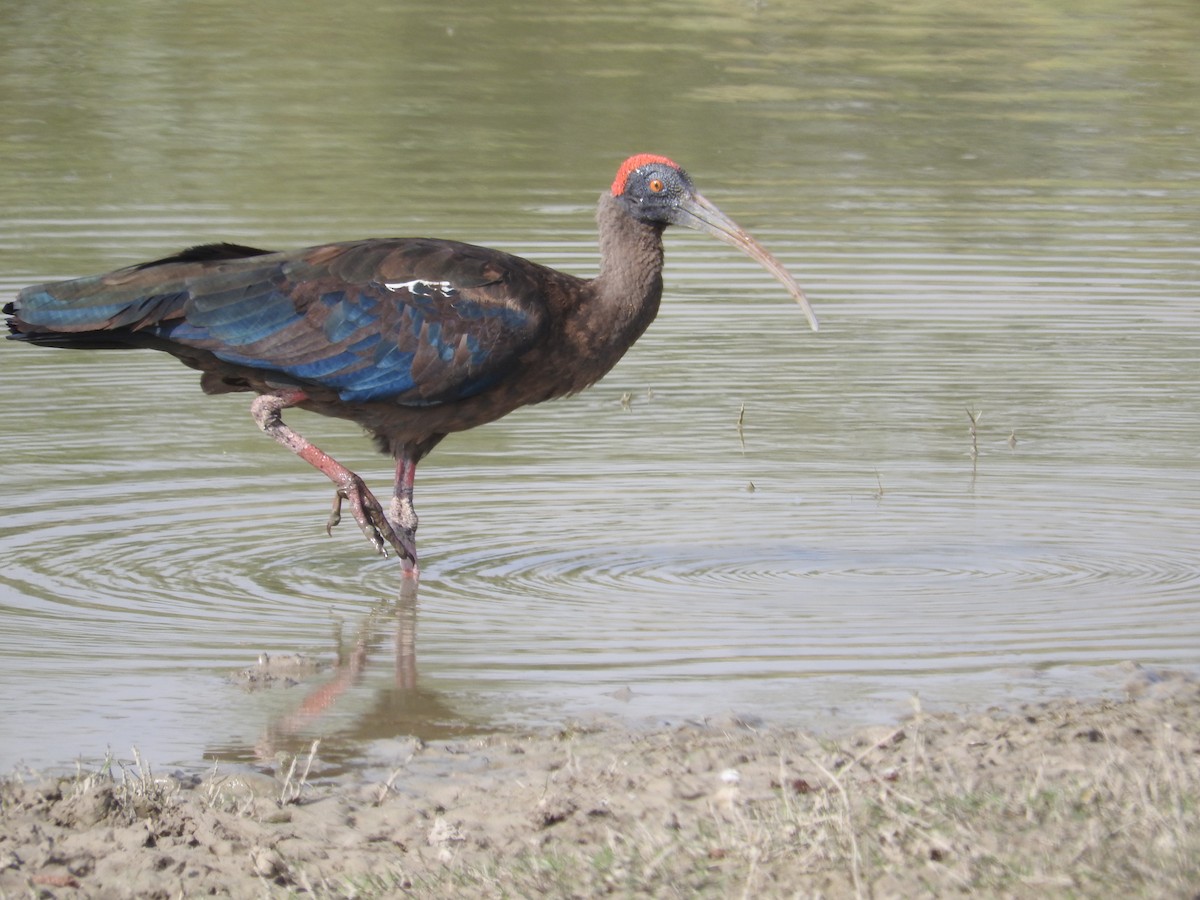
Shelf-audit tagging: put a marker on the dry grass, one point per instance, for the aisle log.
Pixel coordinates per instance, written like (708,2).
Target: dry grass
(1066,802)
(1062,800)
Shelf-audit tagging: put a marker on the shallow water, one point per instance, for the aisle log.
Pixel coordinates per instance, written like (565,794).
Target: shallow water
(992,216)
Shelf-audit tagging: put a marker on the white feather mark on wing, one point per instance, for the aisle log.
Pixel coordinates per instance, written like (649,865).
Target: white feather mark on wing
(445,288)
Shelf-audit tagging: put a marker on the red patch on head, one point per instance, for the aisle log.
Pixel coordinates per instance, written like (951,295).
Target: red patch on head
(633,164)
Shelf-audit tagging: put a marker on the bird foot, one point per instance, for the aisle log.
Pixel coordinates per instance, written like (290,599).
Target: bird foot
(375,525)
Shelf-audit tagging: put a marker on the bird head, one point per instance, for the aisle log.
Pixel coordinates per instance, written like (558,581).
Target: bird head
(652,188)
(657,191)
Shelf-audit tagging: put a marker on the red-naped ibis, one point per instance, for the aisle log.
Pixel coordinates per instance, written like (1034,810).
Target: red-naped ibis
(412,338)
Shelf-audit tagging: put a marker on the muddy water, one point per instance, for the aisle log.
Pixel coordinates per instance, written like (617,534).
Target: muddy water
(994,217)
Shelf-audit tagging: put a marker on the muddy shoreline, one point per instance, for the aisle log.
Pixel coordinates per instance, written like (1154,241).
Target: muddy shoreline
(1063,798)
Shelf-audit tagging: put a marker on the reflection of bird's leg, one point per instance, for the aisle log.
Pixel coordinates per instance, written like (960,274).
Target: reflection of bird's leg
(367,511)
(406,636)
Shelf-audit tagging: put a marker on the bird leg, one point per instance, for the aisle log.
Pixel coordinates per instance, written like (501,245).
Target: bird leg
(401,513)
(267,411)
(401,510)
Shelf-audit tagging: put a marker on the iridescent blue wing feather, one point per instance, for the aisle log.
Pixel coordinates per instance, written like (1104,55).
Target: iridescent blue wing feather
(408,321)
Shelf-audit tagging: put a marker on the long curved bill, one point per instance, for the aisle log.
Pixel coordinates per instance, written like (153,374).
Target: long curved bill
(697,213)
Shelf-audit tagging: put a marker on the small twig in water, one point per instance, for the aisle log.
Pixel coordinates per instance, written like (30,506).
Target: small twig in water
(974,417)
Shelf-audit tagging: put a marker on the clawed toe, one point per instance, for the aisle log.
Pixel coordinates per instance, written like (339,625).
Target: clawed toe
(335,514)
(376,527)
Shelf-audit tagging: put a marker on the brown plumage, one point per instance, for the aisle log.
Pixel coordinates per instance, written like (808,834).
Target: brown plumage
(412,338)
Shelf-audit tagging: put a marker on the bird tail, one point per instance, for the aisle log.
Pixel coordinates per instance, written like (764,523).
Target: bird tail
(63,315)
(109,310)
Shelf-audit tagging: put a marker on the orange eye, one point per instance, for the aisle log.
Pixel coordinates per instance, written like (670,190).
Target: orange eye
(656,186)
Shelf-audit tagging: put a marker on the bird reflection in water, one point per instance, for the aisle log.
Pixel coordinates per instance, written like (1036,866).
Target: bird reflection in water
(398,708)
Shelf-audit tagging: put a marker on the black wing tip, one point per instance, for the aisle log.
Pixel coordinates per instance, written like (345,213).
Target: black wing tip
(12,322)
(206,253)
(84,341)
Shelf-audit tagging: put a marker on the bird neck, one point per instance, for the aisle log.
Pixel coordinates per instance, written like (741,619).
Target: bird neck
(629,285)
(598,320)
